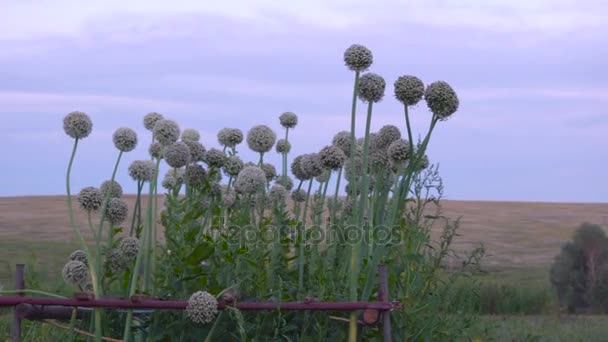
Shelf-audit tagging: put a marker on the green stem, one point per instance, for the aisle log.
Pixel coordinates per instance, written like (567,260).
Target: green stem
(302,240)
(409,129)
(210,335)
(353,145)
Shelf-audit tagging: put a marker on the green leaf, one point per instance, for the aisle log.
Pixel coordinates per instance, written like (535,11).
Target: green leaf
(202,252)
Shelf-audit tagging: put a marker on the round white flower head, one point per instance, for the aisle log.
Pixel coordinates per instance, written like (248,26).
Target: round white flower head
(386,136)
(230,137)
(117,211)
(111,189)
(399,150)
(283,146)
(190,134)
(116,261)
(358,58)
(286,182)
(233,165)
(228,199)
(311,165)
(288,120)
(343,141)
(261,138)
(77,125)
(125,139)
(156,150)
(129,247)
(332,157)
(215,158)
(195,175)
(250,180)
(270,171)
(151,119)
(142,170)
(79,255)
(177,154)
(75,272)
(441,99)
(324,177)
(166,132)
(409,90)
(277,193)
(90,198)
(173,179)
(298,195)
(197,150)
(296,169)
(202,307)
(371,87)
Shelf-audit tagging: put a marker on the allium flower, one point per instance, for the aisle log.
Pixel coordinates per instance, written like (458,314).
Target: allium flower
(441,99)
(173,179)
(298,195)
(151,119)
(233,165)
(197,150)
(230,137)
(75,272)
(409,90)
(177,154)
(311,165)
(117,211)
(156,150)
(288,120)
(371,87)
(358,58)
(386,136)
(79,255)
(324,177)
(228,198)
(250,180)
(195,175)
(332,157)
(202,307)
(277,193)
(90,198)
(190,134)
(166,132)
(343,141)
(77,125)
(125,139)
(129,247)
(286,182)
(270,171)
(261,138)
(283,146)
(142,170)
(215,158)
(111,189)
(116,261)
(296,169)
(399,150)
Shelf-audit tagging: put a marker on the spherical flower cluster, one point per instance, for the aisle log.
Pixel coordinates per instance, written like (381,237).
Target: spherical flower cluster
(90,198)
(129,247)
(215,158)
(332,157)
(409,90)
(250,180)
(142,170)
(173,179)
(116,261)
(343,141)
(286,182)
(399,150)
(277,193)
(386,136)
(270,171)
(311,165)
(202,307)
(441,99)
(261,138)
(156,150)
(358,58)
(233,165)
(190,134)
(296,169)
(371,87)
(283,146)
(151,119)
(228,198)
(79,255)
(288,120)
(166,132)
(77,125)
(195,175)
(75,272)
(177,154)
(324,177)
(298,195)
(125,139)
(230,137)
(111,189)
(117,211)
(197,150)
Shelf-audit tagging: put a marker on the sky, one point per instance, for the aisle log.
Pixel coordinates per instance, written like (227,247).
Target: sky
(531,76)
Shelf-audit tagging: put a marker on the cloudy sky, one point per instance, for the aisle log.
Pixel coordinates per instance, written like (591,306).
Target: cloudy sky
(531,75)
